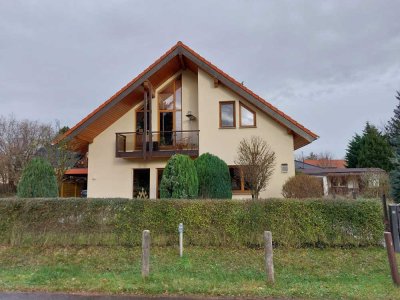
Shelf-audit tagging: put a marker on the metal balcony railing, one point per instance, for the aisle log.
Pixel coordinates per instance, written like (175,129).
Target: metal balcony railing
(157,143)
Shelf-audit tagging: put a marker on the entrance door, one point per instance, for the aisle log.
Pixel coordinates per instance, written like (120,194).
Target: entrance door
(141,183)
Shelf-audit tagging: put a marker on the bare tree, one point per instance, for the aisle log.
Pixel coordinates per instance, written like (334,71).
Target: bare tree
(19,142)
(325,159)
(257,162)
(58,152)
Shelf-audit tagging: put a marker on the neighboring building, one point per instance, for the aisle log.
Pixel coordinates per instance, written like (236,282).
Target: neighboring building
(348,182)
(327,163)
(180,104)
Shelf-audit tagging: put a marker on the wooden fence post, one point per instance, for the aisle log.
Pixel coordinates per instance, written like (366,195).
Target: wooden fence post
(392,258)
(145,253)
(269,260)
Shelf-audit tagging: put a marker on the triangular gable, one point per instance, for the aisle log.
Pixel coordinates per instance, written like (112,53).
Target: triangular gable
(179,56)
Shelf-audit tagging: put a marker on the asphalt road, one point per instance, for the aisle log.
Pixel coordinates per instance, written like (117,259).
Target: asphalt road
(57,296)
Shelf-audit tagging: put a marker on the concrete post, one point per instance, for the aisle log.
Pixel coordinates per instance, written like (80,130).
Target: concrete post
(269,260)
(145,253)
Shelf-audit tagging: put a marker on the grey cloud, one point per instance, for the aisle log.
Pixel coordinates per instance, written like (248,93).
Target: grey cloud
(331,65)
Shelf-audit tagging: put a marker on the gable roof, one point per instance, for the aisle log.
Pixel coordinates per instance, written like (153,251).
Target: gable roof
(327,163)
(169,63)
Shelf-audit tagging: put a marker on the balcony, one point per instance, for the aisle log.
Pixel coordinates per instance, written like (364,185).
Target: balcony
(157,144)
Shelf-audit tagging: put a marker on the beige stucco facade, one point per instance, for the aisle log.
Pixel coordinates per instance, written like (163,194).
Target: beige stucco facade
(109,176)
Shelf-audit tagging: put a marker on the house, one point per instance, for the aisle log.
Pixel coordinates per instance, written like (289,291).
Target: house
(327,163)
(181,103)
(348,182)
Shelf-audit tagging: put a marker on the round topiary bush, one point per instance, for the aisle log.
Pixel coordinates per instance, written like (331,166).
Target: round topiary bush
(179,179)
(214,177)
(38,180)
(303,186)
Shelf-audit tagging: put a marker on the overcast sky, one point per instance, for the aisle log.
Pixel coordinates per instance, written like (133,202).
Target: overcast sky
(331,65)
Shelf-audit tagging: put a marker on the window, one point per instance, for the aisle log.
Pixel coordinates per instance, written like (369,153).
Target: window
(284,168)
(170,112)
(239,185)
(247,116)
(227,114)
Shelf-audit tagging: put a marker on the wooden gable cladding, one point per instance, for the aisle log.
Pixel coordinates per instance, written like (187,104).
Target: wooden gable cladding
(127,103)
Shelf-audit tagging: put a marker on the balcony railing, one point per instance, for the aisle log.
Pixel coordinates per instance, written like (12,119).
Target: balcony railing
(157,143)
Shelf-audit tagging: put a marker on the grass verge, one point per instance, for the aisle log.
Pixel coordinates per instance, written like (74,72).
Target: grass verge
(300,273)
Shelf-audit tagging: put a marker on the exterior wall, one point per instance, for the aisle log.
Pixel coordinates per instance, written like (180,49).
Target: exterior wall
(109,176)
(224,142)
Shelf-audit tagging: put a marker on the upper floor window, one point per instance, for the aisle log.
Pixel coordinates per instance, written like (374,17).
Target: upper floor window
(227,114)
(247,116)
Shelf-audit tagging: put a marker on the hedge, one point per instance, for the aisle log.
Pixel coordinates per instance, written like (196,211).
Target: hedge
(222,223)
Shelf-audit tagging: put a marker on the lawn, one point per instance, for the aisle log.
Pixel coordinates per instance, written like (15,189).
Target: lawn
(300,273)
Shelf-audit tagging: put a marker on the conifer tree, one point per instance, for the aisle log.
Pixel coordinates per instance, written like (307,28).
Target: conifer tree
(371,150)
(392,128)
(395,175)
(179,179)
(38,180)
(375,151)
(214,177)
(352,151)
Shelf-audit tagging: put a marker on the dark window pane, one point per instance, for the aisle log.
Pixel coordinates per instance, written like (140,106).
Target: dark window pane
(235,178)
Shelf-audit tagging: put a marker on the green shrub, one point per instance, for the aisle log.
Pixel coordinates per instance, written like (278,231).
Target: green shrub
(179,180)
(214,177)
(303,186)
(222,223)
(38,180)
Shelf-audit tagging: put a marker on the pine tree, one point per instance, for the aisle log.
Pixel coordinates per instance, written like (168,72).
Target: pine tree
(392,128)
(179,180)
(38,180)
(395,175)
(214,177)
(352,151)
(375,150)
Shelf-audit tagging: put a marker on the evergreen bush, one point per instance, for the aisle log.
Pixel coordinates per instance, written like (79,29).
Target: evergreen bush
(38,180)
(179,179)
(214,178)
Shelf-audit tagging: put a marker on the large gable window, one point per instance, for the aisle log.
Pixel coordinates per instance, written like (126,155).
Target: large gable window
(247,116)
(170,112)
(227,114)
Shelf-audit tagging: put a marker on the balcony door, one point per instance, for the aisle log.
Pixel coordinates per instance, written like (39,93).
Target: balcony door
(170,113)
(138,137)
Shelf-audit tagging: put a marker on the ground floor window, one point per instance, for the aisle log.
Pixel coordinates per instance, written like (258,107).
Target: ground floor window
(239,184)
(141,183)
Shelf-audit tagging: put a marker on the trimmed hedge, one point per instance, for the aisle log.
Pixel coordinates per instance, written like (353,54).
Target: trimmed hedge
(225,223)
